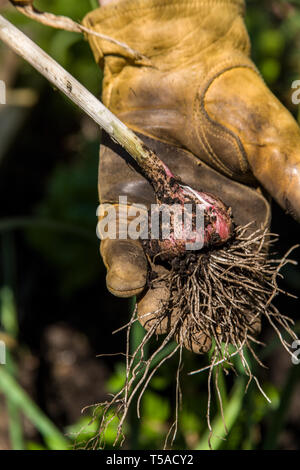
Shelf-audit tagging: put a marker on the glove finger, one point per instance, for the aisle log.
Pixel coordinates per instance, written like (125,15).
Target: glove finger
(126,267)
(151,306)
(240,103)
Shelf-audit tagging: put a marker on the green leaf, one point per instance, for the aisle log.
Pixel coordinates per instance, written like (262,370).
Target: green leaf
(116,381)
(52,436)
(271,43)
(8,315)
(270,69)
(231,413)
(155,407)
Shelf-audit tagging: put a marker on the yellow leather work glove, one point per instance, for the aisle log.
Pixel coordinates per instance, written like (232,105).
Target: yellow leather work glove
(200,103)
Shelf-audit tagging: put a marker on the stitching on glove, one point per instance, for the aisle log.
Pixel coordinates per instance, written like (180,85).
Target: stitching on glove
(220,134)
(219,129)
(203,138)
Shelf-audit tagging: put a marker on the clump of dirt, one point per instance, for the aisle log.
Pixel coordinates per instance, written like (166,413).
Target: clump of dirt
(217,298)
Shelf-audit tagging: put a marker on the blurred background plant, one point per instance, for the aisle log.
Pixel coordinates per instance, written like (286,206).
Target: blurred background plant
(56,315)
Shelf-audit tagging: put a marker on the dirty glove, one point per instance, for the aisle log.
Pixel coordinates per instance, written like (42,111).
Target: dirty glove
(199,102)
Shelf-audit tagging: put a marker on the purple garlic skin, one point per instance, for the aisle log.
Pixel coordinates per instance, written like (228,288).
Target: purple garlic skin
(216,227)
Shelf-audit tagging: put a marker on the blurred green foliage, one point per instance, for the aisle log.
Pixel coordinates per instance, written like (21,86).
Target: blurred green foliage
(70,49)
(70,197)
(274,28)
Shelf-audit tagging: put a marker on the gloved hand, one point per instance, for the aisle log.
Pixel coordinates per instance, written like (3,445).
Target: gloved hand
(201,105)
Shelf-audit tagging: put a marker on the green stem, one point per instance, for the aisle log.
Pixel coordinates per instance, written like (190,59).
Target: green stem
(231,413)
(222,386)
(9,322)
(137,334)
(15,422)
(15,426)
